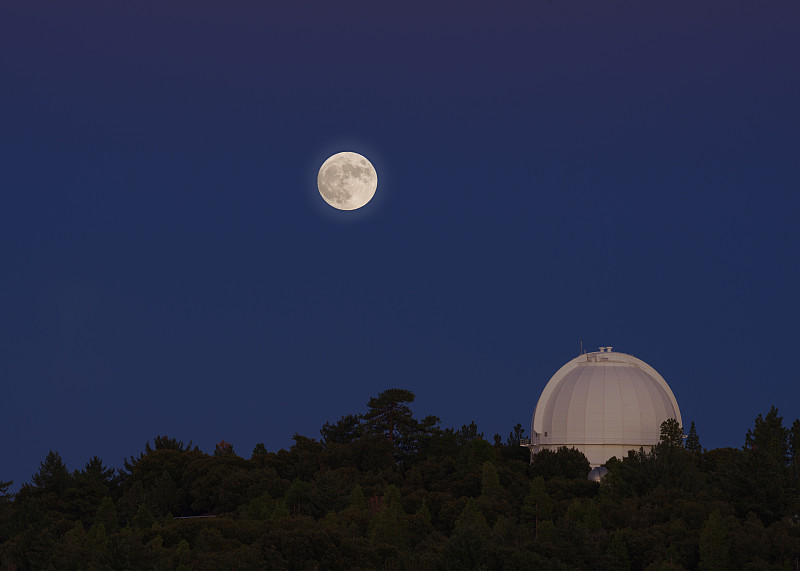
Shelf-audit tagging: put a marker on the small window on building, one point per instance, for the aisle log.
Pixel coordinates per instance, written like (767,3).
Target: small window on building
(545,433)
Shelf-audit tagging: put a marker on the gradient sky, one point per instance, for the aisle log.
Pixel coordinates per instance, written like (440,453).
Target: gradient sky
(625,173)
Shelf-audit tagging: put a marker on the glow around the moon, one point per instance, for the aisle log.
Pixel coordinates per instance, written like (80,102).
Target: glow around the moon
(347,181)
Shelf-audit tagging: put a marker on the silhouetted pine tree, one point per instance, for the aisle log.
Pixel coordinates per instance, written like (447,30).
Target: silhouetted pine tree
(693,441)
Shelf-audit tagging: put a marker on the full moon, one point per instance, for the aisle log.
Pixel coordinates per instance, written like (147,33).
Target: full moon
(347,181)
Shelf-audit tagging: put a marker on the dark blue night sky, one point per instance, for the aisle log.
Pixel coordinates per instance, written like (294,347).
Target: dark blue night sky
(625,173)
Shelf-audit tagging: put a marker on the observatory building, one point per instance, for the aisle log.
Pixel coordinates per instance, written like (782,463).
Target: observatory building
(604,404)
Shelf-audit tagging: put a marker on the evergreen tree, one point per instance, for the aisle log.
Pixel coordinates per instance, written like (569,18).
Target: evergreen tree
(464,552)
(467,433)
(31,549)
(303,459)
(618,552)
(51,486)
(163,448)
(693,441)
(107,514)
(767,457)
(424,434)
(669,464)
(260,508)
(223,448)
(472,520)
(144,519)
(420,529)
(490,482)
(390,416)
(163,495)
(671,434)
(95,471)
(92,484)
(53,475)
(769,438)
(280,511)
(167,443)
(6,507)
(357,500)
(564,462)
(329,490)
(536,507)
(515,437)
(73,551)
(298,497)
(389,525)
(714,544)
(794,449)
(492,497)
(4,495)
(258,451)
(474,505)
(183,557)
(466,549)
(346,431)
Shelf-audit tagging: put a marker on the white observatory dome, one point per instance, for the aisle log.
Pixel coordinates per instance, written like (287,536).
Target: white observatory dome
(603,404)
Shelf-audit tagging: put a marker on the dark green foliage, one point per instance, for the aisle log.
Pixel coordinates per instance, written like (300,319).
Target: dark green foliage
(669,465)
(617,552)
(107,515)
(671,434)
(4,495)
(183,557)
(260,508)
(306,454)
(564,462)
(536,507)
(89,487)
(167,443)
(769,438)
(491,489)
(467,433)
(223,448)
(161,478)
(385,490)
(298,498)
(97,476)
(466,551)
(389,525)
(259,450)
(389,415)
(714,544)
(346,431)
(515,437)
(52,475)
(767,467)
(143,519)
(693,440)
(794,451)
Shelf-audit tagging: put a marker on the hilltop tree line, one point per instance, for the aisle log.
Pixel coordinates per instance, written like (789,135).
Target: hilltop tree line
(385,490)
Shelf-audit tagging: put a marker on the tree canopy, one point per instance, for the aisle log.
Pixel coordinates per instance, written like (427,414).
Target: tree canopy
(383,489)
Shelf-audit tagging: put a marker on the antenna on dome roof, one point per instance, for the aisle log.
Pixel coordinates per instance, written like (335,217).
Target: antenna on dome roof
(581,353)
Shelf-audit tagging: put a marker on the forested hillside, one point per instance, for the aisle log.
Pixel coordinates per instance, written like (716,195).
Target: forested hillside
(384,490)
